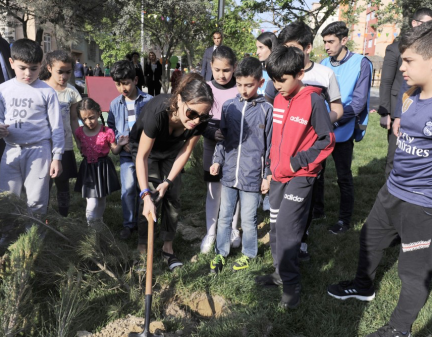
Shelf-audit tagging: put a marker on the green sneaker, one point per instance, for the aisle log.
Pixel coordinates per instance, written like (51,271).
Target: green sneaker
(217,264)
(241,263)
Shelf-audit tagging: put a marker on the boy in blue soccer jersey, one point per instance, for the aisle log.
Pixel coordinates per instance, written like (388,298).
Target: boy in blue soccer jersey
(404,204)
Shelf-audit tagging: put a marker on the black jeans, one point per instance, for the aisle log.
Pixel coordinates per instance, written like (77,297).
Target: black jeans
(342,156)
(168,206)
(390,217)
(289,211)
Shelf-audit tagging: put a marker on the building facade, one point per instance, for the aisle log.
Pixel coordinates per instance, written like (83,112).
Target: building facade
(369,38)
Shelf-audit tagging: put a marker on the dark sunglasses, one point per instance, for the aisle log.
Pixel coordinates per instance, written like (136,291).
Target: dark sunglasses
(192,114)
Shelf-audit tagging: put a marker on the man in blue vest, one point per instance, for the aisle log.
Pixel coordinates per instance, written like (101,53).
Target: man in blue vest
(354,74)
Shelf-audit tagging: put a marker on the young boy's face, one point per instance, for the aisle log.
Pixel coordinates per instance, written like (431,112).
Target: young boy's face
(25,73)
(306,51)
(248,86)
(288,84)
(127,87)
(415,70)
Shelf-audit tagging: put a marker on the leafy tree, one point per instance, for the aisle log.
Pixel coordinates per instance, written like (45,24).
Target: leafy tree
(237,26)
(67,16)
(115,43)
(285,11)
(399,11)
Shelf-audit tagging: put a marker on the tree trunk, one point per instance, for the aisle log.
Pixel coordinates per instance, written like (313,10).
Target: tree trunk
(165,75)
(39,35)
(189,57)
(24,27)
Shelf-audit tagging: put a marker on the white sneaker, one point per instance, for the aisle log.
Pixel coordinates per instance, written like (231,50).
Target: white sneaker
(207,243)
(235,238)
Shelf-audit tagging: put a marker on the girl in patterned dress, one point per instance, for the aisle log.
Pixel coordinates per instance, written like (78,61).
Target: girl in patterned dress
(97,176)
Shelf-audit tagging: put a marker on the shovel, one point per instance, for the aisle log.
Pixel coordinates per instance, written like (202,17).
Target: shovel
(149,271)
(149,278)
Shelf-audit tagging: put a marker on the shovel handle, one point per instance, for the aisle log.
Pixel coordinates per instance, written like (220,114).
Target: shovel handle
(150,241)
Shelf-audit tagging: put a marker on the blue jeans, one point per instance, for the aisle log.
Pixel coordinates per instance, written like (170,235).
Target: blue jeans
(249,203)
(129,192)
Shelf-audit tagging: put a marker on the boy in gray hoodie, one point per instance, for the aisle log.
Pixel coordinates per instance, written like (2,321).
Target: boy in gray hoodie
(30,111)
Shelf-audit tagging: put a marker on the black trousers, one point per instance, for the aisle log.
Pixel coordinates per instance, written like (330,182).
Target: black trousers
(390,217)
(154,88)
(315,188)
(169,206)
(342,156)
(392,139)
(289,211)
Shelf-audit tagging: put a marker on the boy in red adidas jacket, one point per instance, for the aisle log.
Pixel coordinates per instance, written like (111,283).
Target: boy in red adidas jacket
(302,138)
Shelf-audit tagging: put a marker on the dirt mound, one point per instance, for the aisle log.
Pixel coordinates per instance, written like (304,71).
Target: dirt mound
(263,233)
(197,304)
(190,232)
(206,305)
(122,327)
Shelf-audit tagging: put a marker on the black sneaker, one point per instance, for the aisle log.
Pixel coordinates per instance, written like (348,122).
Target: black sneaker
(217,264)
(273,279)
(303,255)
(125,233)
(346,289)
(290,296)
(389,331)
(339,228)
(172,261)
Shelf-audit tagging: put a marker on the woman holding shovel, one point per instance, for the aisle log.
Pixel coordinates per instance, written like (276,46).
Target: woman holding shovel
(168,128)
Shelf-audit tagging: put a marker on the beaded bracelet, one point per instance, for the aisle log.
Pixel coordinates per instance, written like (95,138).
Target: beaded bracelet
(146,190)
(144,195)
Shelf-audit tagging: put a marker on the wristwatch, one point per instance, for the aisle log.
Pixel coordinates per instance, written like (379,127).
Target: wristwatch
(166,180)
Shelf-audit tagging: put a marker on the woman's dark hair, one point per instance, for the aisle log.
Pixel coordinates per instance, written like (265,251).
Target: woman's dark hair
(224,53)
(337,28)
(89,104)
(268,39)
(284,61)
(249,66)
(297,31)
(193,89)
(419,39)
(53,57)
(134,53)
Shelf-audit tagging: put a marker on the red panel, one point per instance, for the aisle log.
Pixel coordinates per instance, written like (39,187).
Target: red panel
(102,90)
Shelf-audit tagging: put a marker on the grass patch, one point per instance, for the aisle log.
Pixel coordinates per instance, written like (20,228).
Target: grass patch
(251,310)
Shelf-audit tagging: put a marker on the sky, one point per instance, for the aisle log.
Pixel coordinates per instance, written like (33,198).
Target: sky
(267,16)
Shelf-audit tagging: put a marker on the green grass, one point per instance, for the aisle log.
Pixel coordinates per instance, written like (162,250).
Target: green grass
(252,310)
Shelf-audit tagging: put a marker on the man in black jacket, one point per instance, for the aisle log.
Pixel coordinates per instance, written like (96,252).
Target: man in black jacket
(6,73)
(391,82)
(206,71)
(98,71)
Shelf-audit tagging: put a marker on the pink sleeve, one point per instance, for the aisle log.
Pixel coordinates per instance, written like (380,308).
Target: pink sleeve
(110,135)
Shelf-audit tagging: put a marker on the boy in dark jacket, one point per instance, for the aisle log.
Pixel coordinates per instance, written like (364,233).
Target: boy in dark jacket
(302,138)
(246,124)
